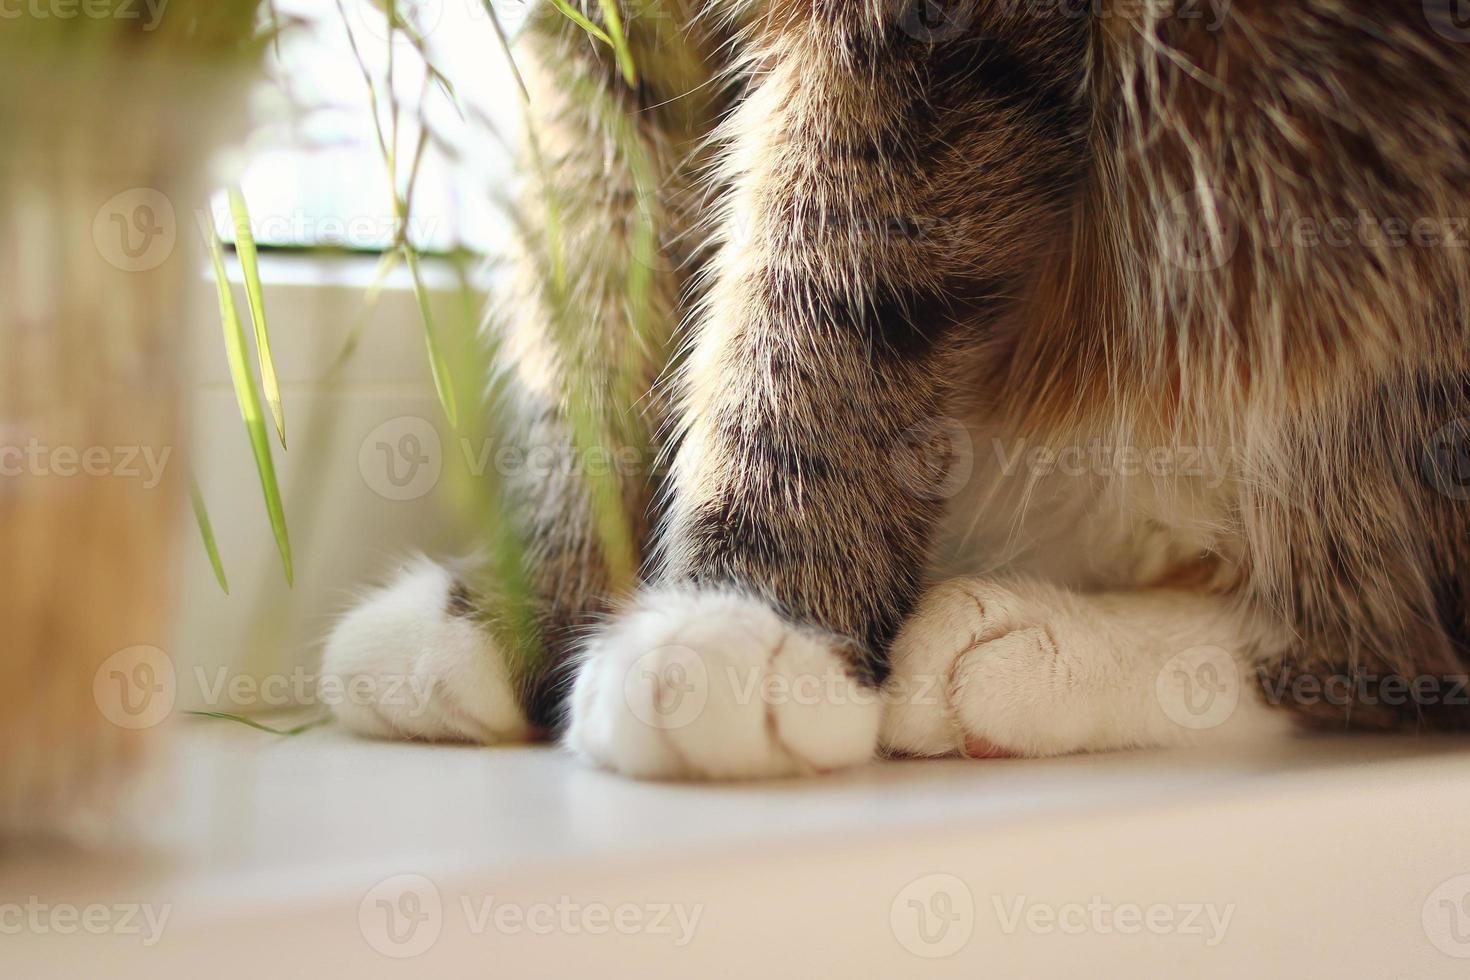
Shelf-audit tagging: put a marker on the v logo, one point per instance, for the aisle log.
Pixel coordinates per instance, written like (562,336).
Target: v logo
(145,222)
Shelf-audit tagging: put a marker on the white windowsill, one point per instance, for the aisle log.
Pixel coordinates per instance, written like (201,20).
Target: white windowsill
(269,851)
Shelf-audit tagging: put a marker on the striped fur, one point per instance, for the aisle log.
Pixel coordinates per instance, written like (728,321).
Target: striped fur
(1141,226)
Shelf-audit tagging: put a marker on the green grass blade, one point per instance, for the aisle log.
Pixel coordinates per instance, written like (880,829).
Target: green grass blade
(206,534)
(245,394)
(305,726)
(250,271)
(510,57)
(577,17)
(619,41)
(443,378)
(613,36)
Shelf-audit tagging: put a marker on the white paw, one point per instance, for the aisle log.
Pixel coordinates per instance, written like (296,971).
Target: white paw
(715,685)
(1022,668)
(403,664)
(985,669)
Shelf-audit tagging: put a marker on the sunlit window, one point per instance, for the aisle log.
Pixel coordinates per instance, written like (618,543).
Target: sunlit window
(317,176)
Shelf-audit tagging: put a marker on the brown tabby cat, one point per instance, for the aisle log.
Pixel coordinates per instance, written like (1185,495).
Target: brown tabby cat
(1061,376)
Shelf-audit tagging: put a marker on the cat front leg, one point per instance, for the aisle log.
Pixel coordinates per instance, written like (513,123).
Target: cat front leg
(1022,668)
(855,265)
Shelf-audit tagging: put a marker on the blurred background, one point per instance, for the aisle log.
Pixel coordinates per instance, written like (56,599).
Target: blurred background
(363,482)
(247,251)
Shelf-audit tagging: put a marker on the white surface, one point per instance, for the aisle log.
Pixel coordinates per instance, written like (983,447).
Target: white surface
(1325,853)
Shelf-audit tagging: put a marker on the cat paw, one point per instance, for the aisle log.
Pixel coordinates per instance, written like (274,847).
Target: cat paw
(991,670)
(409,662)
(714,685)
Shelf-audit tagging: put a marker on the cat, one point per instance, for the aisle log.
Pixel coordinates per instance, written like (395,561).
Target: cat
(1057,377)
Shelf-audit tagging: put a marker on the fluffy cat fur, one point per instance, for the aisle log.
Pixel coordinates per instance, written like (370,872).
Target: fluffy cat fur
(1042,354)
